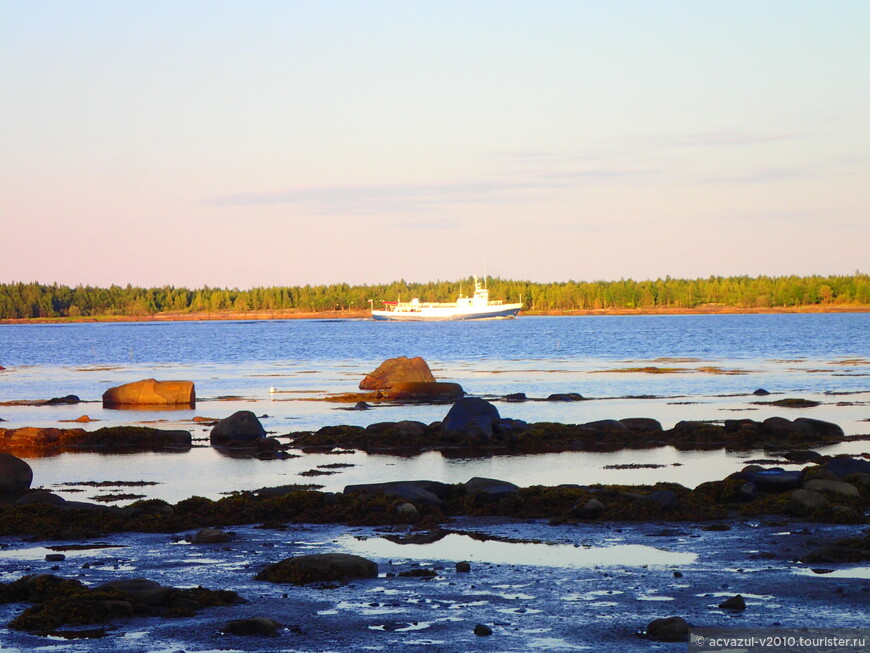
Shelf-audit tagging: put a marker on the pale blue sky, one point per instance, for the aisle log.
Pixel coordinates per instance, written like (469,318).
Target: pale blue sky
(280,143)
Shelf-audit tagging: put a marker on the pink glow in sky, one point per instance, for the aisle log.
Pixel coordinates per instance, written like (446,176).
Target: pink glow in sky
(266,143)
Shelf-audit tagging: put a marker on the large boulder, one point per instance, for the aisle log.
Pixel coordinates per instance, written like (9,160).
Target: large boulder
(472,417)
(15,475)
(670,629)
(151,392)
(844,466)
(398,370)
(805,502)
(424,391)
(240,428)
(490,489)
(319,567)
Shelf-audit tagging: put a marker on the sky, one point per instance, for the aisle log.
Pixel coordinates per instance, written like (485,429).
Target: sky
(259,143)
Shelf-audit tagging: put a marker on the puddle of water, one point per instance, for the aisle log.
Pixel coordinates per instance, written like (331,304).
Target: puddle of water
(852,572)
(456,547)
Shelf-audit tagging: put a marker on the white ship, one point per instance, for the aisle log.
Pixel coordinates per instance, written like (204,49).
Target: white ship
(476,307)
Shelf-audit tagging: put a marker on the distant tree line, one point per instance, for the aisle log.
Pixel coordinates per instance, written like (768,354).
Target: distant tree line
(34,300)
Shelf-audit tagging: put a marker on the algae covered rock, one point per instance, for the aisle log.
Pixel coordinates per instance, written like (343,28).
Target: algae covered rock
(319,567)
(150,392)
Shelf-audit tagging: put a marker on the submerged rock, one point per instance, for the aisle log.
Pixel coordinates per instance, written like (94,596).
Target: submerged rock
(151,392)
(736,603)
(398,370)
(262,626)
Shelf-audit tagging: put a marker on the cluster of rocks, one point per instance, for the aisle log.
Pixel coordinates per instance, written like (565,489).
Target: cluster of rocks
(32,441)
(475,424)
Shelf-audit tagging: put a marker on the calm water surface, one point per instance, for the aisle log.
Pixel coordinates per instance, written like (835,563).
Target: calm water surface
(717,361)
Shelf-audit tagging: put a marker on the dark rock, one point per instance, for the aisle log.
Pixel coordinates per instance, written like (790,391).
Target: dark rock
(15,475)
(516,397)
(591,509)
(736,602)
(761,392)
(565,396)
(670,629)
(510,427)
(418,573)
(240,428)
(774,479)
(827,430)
(416,492)
(482,630)
(840,488)
(63,401)
(642,424)
(471,417)
(489,488)
(408,511)
(805,502)
(844,466)
(785,428)
(319,567)
(151,392)
(361,405)
(210,536)
(55,557)
(142,590)
(40,496)
(667,499)
(398,370)
(463,567)
(803,456)
(262,626)
(607,425)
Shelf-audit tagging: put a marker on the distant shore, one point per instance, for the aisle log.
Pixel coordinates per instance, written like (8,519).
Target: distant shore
(290,314)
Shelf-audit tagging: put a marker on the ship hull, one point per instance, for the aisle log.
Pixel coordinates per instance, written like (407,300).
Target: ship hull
(502,312)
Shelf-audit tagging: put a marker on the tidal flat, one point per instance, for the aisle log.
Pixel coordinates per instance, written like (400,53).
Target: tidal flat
(546,583)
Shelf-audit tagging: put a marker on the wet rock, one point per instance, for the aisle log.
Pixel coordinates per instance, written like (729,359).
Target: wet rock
(805,502)
(667,499)
(62,401)
(516,397)
(482,630)
(844,466)
(15,475)
(40,496)
(774,479)
(262,626)
(239,429)
(642,424)
(846,515)
(735,603)
(408,511)
(430,493)
(151,392)
(792,402)
(607,425)
(319,567)
(471,417)
(761,392)
(398,370)
(565,396)
(489,488)
(84,419)
(840,488)
(784,428)
(210,536)
(803,456)
(361,405)
(55,557)
(827,430)
(670,629)
(418,573)
(592,509)
(432,391)
(463,567)
(144,591)
(510,428)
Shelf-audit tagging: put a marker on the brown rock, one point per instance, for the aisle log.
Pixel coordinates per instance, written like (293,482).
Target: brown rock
(424,391)
(151,392)
(84,419)
(398,370)
(319,567)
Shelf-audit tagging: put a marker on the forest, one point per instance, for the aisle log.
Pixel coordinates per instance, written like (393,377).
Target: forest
(35,300)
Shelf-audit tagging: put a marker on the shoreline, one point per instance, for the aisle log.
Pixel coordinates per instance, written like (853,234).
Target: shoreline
(292,314)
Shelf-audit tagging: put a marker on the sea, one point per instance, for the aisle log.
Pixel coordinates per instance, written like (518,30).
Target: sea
(669,367)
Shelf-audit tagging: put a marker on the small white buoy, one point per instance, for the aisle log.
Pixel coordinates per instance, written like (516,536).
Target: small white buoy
(273,389)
